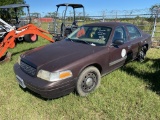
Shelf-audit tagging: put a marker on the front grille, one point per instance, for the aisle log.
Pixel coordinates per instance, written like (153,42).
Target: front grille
(28,68)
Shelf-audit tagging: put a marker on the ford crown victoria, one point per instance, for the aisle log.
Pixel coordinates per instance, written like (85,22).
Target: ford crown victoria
(78,62)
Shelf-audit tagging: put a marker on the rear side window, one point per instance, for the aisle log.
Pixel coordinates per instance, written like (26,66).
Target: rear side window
(133,32)
(119,34)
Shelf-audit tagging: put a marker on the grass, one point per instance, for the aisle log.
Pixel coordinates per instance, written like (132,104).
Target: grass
(131,92)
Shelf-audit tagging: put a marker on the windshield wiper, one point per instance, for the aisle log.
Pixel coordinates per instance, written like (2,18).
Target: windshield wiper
(82,41)
(70,39)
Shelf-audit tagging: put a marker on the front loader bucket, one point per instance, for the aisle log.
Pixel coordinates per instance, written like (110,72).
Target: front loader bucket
(5,58)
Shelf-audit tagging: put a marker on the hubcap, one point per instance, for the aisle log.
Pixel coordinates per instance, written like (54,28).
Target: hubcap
(33,37)
(89,82)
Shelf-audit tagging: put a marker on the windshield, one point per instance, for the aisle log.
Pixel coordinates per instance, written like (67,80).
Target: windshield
(94,35)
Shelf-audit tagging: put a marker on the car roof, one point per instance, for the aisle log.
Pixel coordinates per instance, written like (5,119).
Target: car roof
(14,6)
(108,24)
(71,5)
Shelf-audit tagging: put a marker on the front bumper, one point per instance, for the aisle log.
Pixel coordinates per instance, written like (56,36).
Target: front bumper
(44,88)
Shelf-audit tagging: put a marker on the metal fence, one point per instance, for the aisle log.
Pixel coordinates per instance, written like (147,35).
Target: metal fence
(145,19)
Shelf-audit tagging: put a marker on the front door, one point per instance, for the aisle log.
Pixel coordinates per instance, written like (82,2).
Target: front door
(118,53)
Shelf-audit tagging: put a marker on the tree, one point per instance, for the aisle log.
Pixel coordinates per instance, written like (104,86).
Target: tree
(35,15)
(8,14)
(51,14)
(7,2)
(155,9)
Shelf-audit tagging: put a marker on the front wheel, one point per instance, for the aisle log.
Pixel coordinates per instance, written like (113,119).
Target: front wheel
(88,81)
(31,38)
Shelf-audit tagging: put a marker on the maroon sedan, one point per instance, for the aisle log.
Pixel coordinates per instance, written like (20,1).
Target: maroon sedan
(79,61)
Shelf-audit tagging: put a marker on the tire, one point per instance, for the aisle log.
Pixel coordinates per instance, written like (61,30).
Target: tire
(88,81)
(31,38)
(55,39)
(142,54)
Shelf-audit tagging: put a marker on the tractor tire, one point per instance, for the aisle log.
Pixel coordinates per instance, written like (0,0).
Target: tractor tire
(31,38)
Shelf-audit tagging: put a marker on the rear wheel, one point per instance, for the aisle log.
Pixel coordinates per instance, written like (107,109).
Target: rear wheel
(31,38)
(142,54)
(88,81)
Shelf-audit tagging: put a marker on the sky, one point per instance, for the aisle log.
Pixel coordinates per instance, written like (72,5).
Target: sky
(92,7)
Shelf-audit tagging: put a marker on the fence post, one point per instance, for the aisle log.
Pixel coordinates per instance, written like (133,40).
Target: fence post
(154,26)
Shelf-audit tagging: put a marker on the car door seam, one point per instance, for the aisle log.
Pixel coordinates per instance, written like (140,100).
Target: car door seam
(117,61)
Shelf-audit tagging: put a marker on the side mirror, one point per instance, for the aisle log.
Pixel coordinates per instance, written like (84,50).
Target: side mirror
(118,42)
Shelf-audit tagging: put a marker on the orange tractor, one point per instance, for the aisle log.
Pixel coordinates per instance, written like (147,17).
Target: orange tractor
(10,38)
(16,27)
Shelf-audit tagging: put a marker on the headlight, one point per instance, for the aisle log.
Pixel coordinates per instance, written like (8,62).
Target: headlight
(19,60)
(54,76)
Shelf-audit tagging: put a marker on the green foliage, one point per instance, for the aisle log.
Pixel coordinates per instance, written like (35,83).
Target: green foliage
(155,9)
(6,2)
(50,14)
(9,14)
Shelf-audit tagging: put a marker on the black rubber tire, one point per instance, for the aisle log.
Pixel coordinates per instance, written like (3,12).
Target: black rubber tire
(88,81)
(55,39)
(142,54)
(27,38)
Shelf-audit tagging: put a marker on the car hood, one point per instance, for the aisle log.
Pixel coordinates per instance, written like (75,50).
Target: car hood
(57,55)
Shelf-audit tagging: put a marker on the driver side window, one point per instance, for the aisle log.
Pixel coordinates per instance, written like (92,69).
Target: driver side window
(119,34)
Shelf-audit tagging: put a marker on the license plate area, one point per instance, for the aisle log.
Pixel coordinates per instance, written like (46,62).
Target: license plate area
(20,81)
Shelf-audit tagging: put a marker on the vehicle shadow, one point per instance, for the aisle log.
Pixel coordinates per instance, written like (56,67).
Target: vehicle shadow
(33,93)
(152,78)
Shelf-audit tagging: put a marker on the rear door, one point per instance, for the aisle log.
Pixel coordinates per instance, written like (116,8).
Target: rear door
(134,39)
(118,54)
